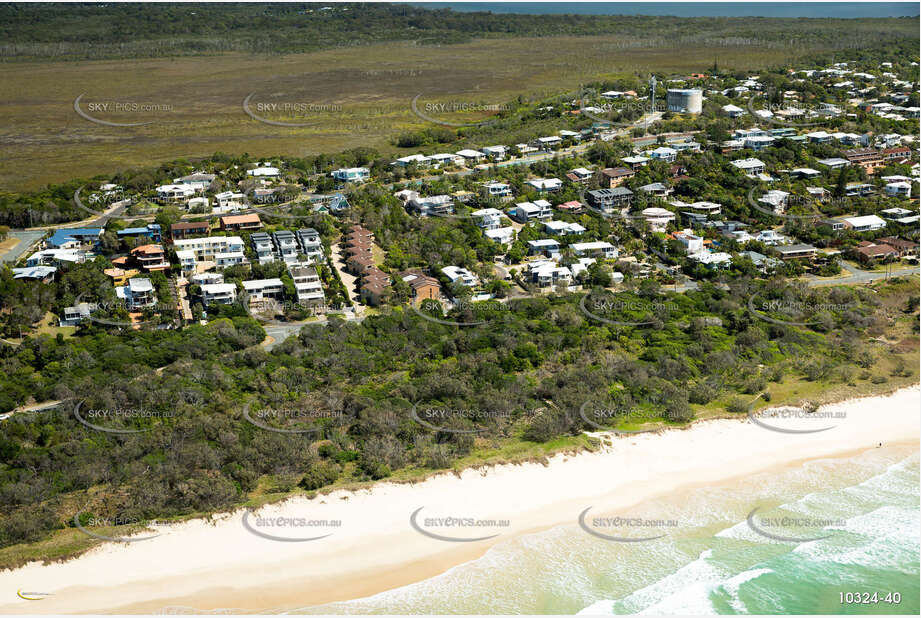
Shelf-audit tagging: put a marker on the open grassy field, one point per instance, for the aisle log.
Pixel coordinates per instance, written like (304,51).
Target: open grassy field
(356,96)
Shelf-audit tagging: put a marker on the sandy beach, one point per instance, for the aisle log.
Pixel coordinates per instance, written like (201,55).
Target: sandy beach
(229,563)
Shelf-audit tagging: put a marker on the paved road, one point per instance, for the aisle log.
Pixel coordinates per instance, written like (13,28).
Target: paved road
(26,239)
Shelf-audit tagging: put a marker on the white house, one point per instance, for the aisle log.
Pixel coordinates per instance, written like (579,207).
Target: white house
(501,235)
(488,218)
(733,111)
(546,185)
(461,276)
(531,211)
(218,293)
(751,167)
(598,248)
(563,228)
(865,223)
(260,289)
(351,174)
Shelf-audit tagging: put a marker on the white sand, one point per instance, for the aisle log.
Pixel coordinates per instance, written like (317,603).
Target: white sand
(218,564)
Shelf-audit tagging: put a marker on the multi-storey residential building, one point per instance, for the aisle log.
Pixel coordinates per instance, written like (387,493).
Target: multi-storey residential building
(263,247)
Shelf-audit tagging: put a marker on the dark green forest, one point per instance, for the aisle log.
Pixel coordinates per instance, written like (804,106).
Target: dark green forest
(526,371)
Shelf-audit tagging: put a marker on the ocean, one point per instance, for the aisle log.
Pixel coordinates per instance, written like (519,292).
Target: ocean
(692,9)
(831,527)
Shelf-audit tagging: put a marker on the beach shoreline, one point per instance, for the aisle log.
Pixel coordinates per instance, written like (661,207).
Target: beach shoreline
(212,565)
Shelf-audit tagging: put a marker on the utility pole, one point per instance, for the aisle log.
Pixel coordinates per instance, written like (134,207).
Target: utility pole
(652,102)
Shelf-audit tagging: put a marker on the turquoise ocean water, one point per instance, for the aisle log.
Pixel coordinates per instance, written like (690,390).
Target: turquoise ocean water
(712,562)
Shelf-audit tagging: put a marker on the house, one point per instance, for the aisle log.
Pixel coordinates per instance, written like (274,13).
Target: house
(608,200)
(636,161)
(234,223)
(431,206)
(547,143)
(264,171)
(834,225)
(187,261)
(460,276)
(574,206)
(120,276)
(311,245)
(525,212)
(865,223)
(758,142)
(545,185)
(494,153)
(898,189)
(657,189)
(763,263)
(834,163)
(150,258)
(868,158)
(563,228)
(74,238)
(416,159)
(470,156)
(904,247)
(174,193)
(797,252)
(596,248)
(207,248)
(899,153)
(261,289)
(197,181)
(185,230)
(351,174)
(422,287)
(733,111)
(751,167)
(703,208)
(151,231)
(775,200)
(500,190)
(56,257)
(307,285)
(547,273)
(544,246)
(616,176)
(45,274)
(138,294)
(894,214)
(871,251)
(266,196)
(488,218)
(77,314)
(229,200)
(580,175)
(263,247)
(663,153)
(805,172)
(286,246)
(501,235)
(218,293)
(658,218)
(230,258)
(446,158)
(207,277)
(770,238)
(691,243)
(818,137)
(373,291)
(712,258)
